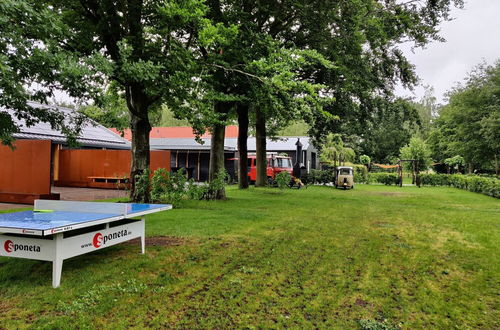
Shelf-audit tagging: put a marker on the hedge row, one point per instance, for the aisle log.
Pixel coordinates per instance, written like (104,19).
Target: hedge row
(318,177)
(385,178)
(474,183)
(328,175)
(484,185)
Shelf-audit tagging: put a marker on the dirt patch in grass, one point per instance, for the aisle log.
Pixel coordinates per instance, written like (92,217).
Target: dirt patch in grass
(4,307)
(382,224)
(161,241)
(444,236)
(387,193)
(361,302)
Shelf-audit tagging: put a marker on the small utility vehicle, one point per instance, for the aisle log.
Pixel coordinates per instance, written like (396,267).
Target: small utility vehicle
(344,177)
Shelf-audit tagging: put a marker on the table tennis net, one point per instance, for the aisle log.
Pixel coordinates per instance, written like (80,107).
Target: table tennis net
(72,206)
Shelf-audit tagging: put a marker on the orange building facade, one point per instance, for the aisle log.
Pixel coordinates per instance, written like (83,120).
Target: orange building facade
(25,172)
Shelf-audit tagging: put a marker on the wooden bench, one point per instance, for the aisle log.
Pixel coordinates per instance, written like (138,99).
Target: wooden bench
(115,182)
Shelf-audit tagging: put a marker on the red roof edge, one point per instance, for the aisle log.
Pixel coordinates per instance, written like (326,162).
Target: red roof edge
(176,132)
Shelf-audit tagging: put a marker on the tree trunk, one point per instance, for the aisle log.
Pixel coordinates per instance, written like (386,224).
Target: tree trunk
(413,175)
(261,158)
(496,165)
(417,174)
(138,106)
(217,147)
(471,168)
(242,110)
(140,128)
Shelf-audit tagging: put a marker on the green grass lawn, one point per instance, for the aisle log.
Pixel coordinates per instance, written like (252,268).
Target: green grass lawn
(403,257)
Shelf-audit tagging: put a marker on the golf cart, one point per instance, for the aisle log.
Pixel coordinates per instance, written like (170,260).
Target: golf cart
(344,177)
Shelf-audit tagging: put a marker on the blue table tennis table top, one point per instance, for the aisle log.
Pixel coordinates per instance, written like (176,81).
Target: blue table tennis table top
(45,221)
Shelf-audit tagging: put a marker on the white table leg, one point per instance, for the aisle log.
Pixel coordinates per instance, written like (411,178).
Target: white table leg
(143,235)
(57,263)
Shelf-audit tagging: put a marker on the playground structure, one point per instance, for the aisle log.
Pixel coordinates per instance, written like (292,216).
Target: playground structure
(415,170)
(399,166)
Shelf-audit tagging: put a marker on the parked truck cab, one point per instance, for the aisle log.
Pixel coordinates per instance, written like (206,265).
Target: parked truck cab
(275,165)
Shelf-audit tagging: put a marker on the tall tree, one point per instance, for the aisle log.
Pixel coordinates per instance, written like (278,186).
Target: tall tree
(33,66)
(249,67)
(390,126)
(469,124)
(243,123)
(418,151)
(334,152)
(427,108)
(143,46)
(360,37)
(111,112)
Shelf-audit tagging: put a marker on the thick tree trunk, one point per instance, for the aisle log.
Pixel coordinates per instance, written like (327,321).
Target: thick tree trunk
(471,168)
(138,106)
(217,148)
(242,110)
(261,158)
(140,128)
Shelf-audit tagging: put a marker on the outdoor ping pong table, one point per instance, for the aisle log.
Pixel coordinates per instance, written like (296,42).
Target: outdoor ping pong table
(58,230)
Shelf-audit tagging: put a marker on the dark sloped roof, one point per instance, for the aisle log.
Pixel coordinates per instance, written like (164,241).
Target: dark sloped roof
(281,144)
(186,144)
(92,134)
(230,144)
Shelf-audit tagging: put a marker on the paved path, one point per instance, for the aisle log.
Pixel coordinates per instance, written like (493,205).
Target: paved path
(75,194)
(9,206)
(88,194)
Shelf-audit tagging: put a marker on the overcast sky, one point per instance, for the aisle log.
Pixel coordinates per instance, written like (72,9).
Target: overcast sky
(473,36)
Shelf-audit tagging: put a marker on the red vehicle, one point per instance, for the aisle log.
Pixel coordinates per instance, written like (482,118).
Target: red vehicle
(275,165)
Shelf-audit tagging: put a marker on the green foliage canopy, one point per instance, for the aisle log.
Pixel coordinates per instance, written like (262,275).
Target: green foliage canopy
(417,150)
(389,128)
(365,160)
(33,65)
(469,125)
(334,150)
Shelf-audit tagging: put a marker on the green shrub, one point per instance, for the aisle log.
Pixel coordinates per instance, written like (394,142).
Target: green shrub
(173,188)
(283,179)
(360,174)
(196,191)
(365,160)
(218,183)
(168,187)
(484,185)
(385,178)
(142,185)
(376,325)
(320,176)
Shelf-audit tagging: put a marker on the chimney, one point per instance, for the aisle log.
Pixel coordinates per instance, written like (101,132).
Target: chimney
(298,159)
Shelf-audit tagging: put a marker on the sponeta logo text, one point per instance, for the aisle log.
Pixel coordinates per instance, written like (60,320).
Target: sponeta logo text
(97,241)
(10,246)
(100,239)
